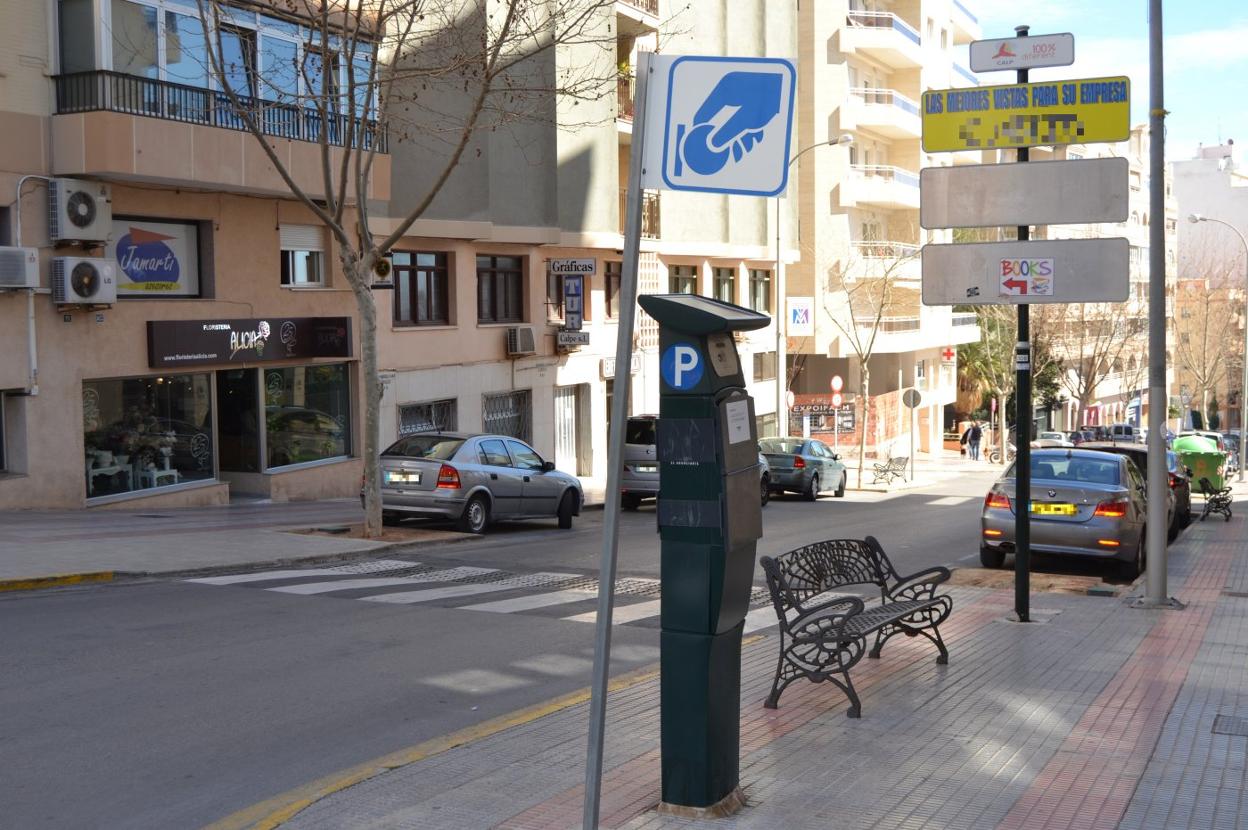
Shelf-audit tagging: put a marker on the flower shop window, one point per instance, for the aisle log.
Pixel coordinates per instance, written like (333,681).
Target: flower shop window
(145,433)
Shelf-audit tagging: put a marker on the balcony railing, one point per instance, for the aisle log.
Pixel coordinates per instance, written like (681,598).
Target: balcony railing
(626,103)
(889,324)
(885,97)
(874,249)
(884,20)
(886,173)
(117,92)
(648,6)
(964,319)
(966,11)
(965,73)
(649,213)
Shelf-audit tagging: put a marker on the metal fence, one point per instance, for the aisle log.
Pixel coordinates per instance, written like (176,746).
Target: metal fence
(510,413)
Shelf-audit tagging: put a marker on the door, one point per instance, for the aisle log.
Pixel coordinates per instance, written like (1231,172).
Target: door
(542,490)
(566,429)
(504,481)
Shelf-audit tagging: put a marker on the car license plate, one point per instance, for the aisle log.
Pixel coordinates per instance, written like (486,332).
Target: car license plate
(1045,508)
(403,478)
(647,468)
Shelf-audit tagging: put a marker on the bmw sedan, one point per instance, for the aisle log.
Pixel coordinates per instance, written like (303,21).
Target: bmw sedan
(474,480)
(803,465)
(1084,503)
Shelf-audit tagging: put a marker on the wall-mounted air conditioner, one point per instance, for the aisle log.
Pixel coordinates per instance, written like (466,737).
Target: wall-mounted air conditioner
(83,281)
(19,268)
(521,341)
(79,211)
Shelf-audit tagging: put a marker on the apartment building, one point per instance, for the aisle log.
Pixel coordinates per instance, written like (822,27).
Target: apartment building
(864,67)
(469,338)
(180,333)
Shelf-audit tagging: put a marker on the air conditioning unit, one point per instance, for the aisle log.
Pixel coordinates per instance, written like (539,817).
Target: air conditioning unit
(521,341)
(79,211)
(19,268)
(83,281)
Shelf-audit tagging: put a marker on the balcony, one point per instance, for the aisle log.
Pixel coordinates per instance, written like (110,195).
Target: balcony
(113,124)
(883,111)
(626,103)
(637,17)
(650,216)
(882,36)
(883,186)
(965,24)
(878,259)
(961,72)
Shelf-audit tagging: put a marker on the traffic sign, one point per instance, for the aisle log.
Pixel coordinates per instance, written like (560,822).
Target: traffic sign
(789,398)
(1039,271)
(837,383)
(911,398)
(1074,191)
(1031,52)
(1027,115)
(837,400)
(721,125)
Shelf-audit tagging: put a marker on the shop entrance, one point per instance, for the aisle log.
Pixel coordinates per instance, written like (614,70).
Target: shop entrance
(238,420)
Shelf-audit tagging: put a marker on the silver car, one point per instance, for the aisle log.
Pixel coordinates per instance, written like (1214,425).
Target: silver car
(640,476)
(474,480)
(1084,502)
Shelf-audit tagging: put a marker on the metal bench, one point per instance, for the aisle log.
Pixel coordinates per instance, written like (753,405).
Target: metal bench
(1216,501)
(821,637)
(895,468)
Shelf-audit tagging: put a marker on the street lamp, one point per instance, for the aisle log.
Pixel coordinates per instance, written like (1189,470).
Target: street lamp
(782,373)
(1243,389)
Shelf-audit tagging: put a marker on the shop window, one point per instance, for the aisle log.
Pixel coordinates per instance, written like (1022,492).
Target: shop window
(422,284)
(760,290)
(764,366)
(307,413)
(238,421)
(146,433)
(500,289)
(682,279)
(302,255)
(612,272)
(431,416)
(725,284)
(510,413)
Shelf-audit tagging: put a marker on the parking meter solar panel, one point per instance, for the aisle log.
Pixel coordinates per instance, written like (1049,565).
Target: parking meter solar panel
(694,314)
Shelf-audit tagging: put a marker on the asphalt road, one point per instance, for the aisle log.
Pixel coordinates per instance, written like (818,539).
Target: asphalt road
(169,704)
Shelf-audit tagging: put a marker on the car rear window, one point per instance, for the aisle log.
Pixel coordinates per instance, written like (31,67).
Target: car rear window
(426,446)
(780,445)
(1061,468)
(639,431)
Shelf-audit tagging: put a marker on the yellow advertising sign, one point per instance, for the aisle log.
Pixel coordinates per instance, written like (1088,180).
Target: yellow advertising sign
(1027,115)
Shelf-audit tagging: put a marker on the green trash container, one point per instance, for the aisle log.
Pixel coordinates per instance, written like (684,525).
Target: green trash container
(1202,456)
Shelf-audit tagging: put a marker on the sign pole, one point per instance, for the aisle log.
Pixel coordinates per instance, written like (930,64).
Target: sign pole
(1022,424)
(615,444)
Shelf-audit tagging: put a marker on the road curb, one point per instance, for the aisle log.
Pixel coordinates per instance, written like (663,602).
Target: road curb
(36,583)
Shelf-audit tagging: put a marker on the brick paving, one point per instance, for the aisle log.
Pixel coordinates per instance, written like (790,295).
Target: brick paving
(1095,716)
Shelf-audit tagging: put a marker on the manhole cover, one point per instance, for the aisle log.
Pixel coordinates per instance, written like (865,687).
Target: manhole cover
(1230,725)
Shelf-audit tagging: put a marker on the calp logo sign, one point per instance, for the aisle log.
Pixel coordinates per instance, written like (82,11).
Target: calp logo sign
(146,258)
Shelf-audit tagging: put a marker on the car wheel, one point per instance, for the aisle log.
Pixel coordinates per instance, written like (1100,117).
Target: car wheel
(812,491)
(991,557)
(1173,532)
(630,501)
(476,515)
(840,488)
(567,504)
(764,487)
(1132,569)
(391,518)
(1187,516)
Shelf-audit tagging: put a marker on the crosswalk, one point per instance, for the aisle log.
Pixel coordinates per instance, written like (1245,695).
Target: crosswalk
(565,596)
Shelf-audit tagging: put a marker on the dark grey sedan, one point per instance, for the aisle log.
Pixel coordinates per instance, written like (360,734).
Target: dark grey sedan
(803,465)
(474,480)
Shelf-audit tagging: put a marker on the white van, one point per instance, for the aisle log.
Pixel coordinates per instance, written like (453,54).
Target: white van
(1126,434)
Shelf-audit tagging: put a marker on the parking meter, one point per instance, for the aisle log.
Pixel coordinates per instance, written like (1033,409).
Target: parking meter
(710,518)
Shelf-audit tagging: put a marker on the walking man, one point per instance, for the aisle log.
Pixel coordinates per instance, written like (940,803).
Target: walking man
(973,439)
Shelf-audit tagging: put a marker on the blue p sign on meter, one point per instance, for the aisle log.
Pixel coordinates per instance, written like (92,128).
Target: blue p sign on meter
(681,366)
(720,125)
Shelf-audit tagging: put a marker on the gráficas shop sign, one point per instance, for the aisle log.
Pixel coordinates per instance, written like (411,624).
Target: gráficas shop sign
(197,342)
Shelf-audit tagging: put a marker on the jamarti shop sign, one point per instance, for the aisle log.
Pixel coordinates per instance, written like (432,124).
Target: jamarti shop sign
(198,342)
(155,259)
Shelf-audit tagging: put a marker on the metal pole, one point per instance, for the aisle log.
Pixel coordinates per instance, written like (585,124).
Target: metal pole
(615,444)
(1158,484)
(1022,427)
(782,359)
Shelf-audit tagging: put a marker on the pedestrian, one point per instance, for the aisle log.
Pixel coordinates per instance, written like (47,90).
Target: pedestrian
(976,435)
(966,436)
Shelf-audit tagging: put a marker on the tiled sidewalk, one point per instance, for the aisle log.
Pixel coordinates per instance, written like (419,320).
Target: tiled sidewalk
(1096,716)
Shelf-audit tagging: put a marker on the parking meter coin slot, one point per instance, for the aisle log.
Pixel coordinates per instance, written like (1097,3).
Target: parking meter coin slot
(723,353)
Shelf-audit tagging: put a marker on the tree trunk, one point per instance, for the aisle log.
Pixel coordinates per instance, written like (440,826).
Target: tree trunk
(359,277)
(1003,435)
(1204,406)
(865,373)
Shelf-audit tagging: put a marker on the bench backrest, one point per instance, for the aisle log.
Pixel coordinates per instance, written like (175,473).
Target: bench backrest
(1207,489)
(900,462)
(798,575)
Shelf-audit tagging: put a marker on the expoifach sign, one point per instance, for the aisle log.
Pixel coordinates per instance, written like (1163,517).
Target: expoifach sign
(155,259)
(260,340)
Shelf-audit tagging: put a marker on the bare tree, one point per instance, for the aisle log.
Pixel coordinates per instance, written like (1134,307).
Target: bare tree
(1094,339)
(429,72)
(1206,333)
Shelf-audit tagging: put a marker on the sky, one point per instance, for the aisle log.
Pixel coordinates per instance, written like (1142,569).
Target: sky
(1205,58)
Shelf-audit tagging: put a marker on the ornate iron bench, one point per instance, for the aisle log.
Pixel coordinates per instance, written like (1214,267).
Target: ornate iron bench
(1216,501)
(894,468)
(824,639)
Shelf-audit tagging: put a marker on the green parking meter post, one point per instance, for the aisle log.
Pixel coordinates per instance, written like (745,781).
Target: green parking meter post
(710,519)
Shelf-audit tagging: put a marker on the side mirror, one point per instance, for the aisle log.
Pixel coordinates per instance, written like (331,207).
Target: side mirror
(836,457)
(548,466)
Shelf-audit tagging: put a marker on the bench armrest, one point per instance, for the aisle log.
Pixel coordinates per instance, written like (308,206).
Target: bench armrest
(820,623)
(919,585)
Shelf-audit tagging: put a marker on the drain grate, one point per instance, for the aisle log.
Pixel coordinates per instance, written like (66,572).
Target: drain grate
(1230,725)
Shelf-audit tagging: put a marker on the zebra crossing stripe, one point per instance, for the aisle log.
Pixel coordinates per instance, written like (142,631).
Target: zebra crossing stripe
(450,575)
(759,618)
(454,591)
(623,614)
(377,566)
(511,606)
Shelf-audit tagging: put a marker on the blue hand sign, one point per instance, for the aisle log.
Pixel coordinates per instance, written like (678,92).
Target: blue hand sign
(752,99)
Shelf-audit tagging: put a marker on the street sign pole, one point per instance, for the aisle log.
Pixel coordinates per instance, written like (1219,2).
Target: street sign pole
(1022,421)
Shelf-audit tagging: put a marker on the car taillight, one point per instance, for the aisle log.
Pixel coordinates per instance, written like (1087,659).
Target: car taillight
(448,477)
(1111,509)
(1174,480)
(798,462)
(998,500)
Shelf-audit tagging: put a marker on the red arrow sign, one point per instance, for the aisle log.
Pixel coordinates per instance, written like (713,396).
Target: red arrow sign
(1019,286)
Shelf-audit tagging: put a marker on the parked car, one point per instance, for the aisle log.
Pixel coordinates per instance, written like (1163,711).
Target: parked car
(640,477)
(1051,439)
(474,480)
(803,465)
(1179,479)
(1128,433)
(296,434)
(1084,503)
